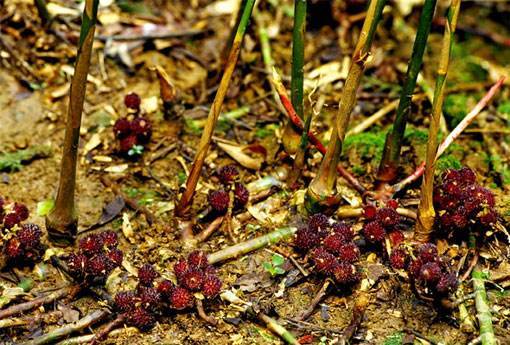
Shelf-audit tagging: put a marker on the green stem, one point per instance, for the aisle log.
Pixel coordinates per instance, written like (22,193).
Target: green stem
(322,189)
(251,245)
(183,207)
(62,221)
(42,10)
(391,155)
(426,212)
(274,326)
(291,135)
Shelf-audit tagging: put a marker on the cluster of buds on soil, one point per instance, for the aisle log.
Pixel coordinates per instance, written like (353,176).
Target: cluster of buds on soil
(21,242)
(96,258)
(132,131)
(382,223)
(462,203)
(429,271)
(220,200)
(330,247)
(195,279)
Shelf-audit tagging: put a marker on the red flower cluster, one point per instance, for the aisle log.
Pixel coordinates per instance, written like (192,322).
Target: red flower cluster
(427,269)
(135,131)
(22,241)
(381,222)
(141,306)
(330,247)
(220,199)
(97,256)
(462,202)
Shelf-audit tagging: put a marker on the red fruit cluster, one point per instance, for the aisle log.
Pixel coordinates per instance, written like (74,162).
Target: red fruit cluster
(97,256)
(381,222)
(132,101)
(428,269)
(132,132)
(330,247)
(22,242)
(220,199)
(194,274)
(463,203)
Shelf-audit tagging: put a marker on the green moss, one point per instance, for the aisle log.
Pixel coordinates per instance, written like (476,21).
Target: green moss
(504,108)
(394,339)
(367,144)
(12,161)
(266,131)
(358,170)
(416,135)
(447,162)
(455,108)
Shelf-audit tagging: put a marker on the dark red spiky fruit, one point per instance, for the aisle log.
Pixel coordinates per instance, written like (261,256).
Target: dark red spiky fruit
(91,244)
(369,212)
(165,288)
(466,175)
(319,222)
(132,101)
(392,203)
(77,263)
(140,318)
(127,143)
(219,200)
(430,272)
(344,230)
(228,173)
(181,298)
(349,252)
(241,195)
(149,297)
(122,128)
(334,242)
(10,220)
(211,286)
(345,273)
(146,275)
(110,239)
(428,253)
(30,235)
(306,239)
(197,260)
(193,280)
(21,210)
(324,261)
(387,216)
(398,258)
(13,249)
(142,127)
(115,255)
(374,232)
(447,283)
(125,300)
(415,267)
(488,218)
(97,266)
(180,268)
(396,237)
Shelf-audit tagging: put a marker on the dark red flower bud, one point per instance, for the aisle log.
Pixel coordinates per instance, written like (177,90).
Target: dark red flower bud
(428,253)
(396,237)
(127,143)
(398,258)
(13,249)
(387,216)
(392,203)
(181,298)
(109,239)
(21,210)
(320,223)
(140,318)
(345,273)
(447,283)
(125,301)
(97,266)
(241,195)
(77,264)
(30,235)
(142,127)
(334,242)
(343,229)
(374,232)
(349,252)
(369,212)
(219,200)
(197,260)
(91,244)
(165,288)
(306,239)
(415,268)
(430,272)
(193,280)
(324,261)
(466,175)
(10,220)
(115,255)
(147,274)
(180,268)
(122,128)
(211,286)
(228,173)
(149,297)
(132,101)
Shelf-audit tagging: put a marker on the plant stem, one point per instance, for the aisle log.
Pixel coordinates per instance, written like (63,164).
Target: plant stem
(82,323)
(452,136)
(291,136)
(391,155)
(322,189)
(42,10)
(62,221)
(183,207)
(426,213)
(274,326)
(251,245)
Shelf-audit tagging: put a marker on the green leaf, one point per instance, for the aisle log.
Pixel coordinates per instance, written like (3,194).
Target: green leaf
(277,260)
(279,270)
(44,207)
(268,267)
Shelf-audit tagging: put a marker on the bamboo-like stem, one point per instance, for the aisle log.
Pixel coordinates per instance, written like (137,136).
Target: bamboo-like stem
(42,10)
(321,191)
(391,154)
(58,333)
(51,297)
(275,327)
(251,245)
(291,113)
(426,212)
(62,221)
(291,136)
(452,136)
(183,207)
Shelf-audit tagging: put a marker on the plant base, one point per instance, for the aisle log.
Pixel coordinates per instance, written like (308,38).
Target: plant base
(61,233)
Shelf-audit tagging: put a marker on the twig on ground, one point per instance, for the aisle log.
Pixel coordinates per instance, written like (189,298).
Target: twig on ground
(321,294)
